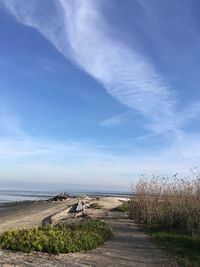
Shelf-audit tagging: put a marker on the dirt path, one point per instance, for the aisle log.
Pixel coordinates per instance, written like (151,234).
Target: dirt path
(128,247)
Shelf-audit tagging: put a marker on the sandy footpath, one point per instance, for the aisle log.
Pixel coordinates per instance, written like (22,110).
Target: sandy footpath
(129,246)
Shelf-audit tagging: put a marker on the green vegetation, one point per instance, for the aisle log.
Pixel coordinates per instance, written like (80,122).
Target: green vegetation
(124,207)
(62,238)
(170,209)
(184,246)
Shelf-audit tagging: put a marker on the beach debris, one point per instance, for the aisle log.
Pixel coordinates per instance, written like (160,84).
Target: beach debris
(81,206)
(60,197)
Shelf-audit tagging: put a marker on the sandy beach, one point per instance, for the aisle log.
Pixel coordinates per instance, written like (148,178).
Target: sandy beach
(128,247)
(30,214)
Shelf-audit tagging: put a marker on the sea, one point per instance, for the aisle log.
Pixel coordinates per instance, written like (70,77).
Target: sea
(12,194)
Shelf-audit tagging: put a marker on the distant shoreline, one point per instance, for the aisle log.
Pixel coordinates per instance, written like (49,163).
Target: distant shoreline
(13,196)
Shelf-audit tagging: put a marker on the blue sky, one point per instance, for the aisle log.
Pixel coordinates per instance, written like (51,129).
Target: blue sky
(98,92)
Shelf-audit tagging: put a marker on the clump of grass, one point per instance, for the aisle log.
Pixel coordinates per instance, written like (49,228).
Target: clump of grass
(62,238)
(170,209)
(124,207)
(184,246)
(169,204)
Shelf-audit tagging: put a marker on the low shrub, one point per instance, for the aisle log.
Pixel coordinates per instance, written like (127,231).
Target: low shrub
(62,238)
(124,207)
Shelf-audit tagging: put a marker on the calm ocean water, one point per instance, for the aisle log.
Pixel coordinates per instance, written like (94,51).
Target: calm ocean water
(22,195)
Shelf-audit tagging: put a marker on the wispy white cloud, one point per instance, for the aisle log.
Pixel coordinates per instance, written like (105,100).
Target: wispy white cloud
(114,120)
(78,30)
(9,122)
(32,157)
(69,160)
(186,145)
(188,113)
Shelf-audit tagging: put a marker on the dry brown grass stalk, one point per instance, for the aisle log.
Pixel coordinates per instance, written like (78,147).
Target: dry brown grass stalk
(168,204)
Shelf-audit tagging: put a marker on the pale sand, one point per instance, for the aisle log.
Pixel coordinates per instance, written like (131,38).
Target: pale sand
(129,246)
(32,214)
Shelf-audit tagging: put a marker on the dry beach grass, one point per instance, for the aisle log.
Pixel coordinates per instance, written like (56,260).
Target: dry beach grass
(170,211)
(169,203)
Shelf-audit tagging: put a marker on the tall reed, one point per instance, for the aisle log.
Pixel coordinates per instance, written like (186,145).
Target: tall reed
(168,203)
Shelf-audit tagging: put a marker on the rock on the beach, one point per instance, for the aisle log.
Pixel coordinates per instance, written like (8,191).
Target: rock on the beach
(59,197)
